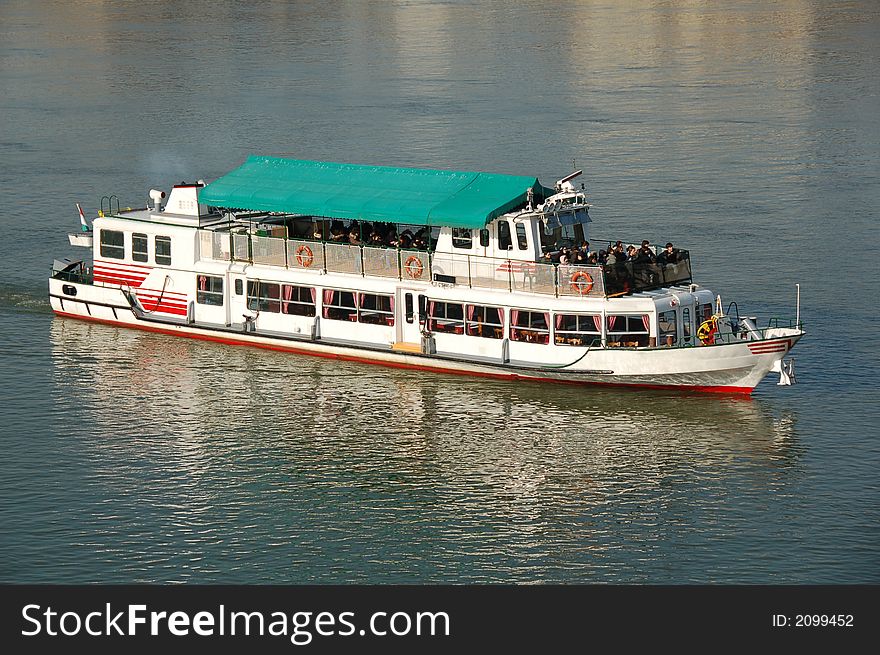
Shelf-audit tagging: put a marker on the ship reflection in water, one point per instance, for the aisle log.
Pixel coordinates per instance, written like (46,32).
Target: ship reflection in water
(212,463)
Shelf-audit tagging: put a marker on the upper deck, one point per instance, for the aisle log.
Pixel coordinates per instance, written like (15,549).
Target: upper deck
(447,228)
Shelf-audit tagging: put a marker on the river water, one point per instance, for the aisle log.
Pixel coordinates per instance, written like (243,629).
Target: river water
(748,132)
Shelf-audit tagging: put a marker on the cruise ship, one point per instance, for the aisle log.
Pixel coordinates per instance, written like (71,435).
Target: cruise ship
(469,273)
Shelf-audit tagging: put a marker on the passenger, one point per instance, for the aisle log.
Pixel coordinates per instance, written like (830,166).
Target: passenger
(354,235)
(565,256)
(630,253)
(646,253)
(592,259)
(668,256)
(317,234)
(391,238)
(405,240)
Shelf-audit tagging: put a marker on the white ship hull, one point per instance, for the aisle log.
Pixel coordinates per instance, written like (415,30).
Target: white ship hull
(726,368)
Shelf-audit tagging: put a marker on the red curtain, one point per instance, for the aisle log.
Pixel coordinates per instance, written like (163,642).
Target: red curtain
(514,318)
(287,294)
(203,282)
(597,321)
(646,321)
(611,321)
(501,316)
(328,300)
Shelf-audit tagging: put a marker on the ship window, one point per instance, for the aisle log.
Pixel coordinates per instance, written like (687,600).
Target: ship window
(484,238)
(504,242)
(339,305)
(487,322)
(462,238)
(264,296)
(163,251)
(578,329)
(209,290)
(112,244)
(139,251)
(530,326)
(704,312)
(628,331)
(666,328)
(445,317)
(686,327)
(299,301)
(376,309)
(239,287)
(409,308)
(521,240)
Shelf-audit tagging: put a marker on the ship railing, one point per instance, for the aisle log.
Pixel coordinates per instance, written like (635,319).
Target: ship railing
(628,277)
(439,268)
(80,275)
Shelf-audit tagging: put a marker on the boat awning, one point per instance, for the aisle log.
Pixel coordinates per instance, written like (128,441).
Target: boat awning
(372,193)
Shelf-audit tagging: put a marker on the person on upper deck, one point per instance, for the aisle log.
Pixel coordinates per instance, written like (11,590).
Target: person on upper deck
(646,253)
(668,256)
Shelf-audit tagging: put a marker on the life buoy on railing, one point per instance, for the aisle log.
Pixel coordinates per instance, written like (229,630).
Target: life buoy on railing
(414,267)
(581,283)
(706,331)
(304,256)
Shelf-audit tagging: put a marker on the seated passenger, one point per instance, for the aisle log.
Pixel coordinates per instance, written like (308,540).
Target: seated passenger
(668,256)
(646,253)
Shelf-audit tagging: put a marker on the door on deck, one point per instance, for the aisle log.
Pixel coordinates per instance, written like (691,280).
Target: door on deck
(409,319)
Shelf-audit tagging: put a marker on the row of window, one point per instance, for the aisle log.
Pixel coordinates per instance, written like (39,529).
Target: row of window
(113,247)
(455,318)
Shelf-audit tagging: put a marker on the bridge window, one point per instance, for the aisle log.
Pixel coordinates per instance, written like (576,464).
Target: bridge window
(112,244)
(484,238)
(299,301)
(483,321)
(163,251)
(521,239)
(445,317)
(139,250)
(529,326)
(209,290)
(504,241)
(578,329)
(462,238)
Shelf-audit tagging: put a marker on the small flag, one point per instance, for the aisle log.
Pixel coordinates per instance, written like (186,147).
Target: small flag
(82,219)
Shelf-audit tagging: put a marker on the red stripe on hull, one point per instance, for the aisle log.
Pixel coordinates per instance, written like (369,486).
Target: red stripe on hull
(401,365)
(121,282)
(99,262)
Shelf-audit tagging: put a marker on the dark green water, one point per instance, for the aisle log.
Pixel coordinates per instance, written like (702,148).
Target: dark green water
(749,134)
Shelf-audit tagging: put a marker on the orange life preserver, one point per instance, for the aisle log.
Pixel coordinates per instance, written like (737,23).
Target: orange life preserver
(413,267)
(706,331)
(304,256)
(581,283)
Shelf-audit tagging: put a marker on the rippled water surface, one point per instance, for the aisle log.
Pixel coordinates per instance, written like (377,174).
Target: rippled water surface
(748,132)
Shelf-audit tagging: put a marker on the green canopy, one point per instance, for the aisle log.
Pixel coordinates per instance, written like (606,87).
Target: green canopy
(374,193)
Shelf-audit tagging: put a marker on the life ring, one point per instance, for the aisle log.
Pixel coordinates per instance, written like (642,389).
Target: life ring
(706,331)
(413,267)
(304,256)
(581,283)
